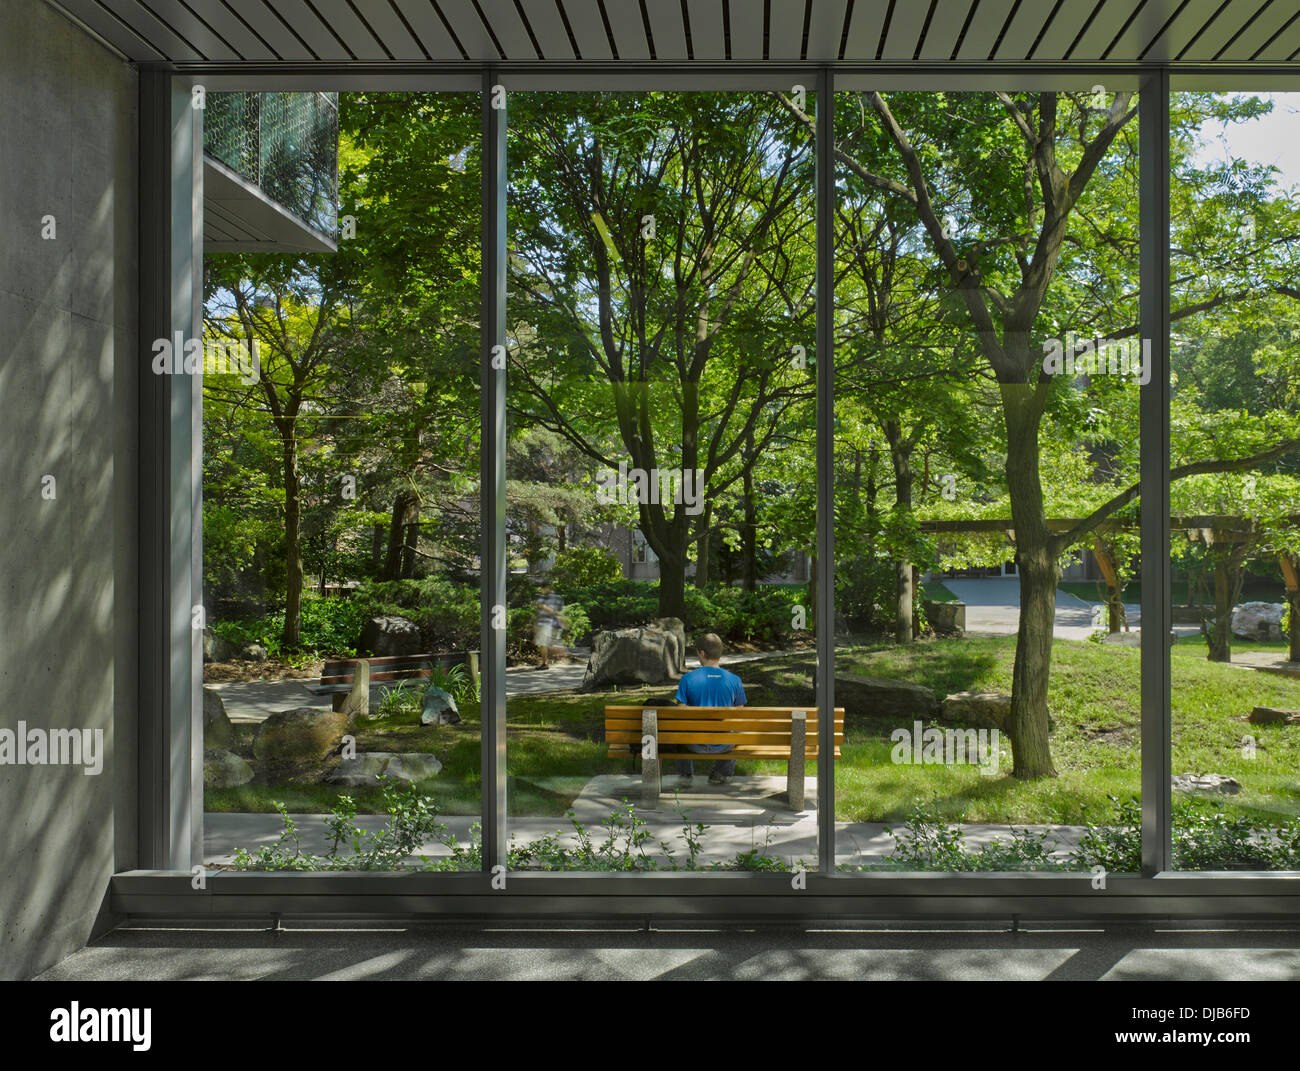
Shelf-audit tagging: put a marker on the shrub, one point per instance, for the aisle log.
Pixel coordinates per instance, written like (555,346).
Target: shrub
(581,567)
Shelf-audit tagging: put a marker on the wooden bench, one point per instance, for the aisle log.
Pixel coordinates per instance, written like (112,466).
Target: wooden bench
(658,733)
(339,676)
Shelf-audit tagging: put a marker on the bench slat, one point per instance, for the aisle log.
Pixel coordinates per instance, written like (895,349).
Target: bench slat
(750,752)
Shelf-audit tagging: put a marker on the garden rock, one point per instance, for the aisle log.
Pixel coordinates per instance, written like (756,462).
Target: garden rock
(253,652)
(217,730)
(1258,620)
(217,648)
(946,618)
(1274,716)
(390,635)
(299,737)
(356,703)
(894,698)
(439,707)
(633,656)
(1207,784)
(677,627)
(365,770)
(984,710)
(224,769)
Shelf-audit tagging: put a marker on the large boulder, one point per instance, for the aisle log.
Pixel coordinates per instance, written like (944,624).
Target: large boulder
(633,656)
(391,635)
(677,627)
(217,648)
(224,769)
(1258,620)
(253,652)
(983,710)
(1212,784)
(439,707)
(365,770)
(1274,716)
(891,698)
(303,736)
(217,730)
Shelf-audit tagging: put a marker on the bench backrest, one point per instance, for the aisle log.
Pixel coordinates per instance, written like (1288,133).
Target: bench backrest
(391,668)
(744,728)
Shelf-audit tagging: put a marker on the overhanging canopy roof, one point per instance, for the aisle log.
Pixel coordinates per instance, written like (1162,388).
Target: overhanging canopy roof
(683,31)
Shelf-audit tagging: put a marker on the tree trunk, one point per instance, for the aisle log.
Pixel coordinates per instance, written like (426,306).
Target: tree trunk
(376,545)
(672,585)
(1227,589)
(702,549)
(1291,576)
(292,542)
(900,454)
(903,602)
(1039,574)
(396,535)
(410,537)
(749,533)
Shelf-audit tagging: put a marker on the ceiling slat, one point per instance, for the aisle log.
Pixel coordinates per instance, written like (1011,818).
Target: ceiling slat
(1063,29)
(785,37)
(1259,31)
(548,28)
(1284,44)
(249,45)
(385,22)
(945,28)
(628,29)
(1142,31)
(982,33)
(706,29)
(905,30)
(199,33)
(668,29)
(825,29)
(747,29)
(154,30)
(344,22)
(1103,29)
(310,29)
(588,29)
(509,29)
(1026,25)
(263,20)
(469,29)
(429,28)
(1182,29)
(864,32)
(122,38)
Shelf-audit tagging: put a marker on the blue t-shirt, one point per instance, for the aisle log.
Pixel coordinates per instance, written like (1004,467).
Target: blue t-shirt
(711,686)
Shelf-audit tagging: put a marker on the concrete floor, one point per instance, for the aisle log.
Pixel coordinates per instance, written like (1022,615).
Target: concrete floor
(902,952)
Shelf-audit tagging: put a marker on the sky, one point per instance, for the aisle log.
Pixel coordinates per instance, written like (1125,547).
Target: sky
(1270,139)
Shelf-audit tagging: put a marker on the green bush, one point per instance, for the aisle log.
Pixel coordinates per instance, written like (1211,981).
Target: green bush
(446,613)
(330,627)
(581,567)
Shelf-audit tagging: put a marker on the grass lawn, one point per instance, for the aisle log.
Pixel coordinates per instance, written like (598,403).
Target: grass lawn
(556,742)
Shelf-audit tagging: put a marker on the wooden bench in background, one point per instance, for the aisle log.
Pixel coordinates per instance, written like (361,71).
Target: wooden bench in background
(339,675)
(788,733)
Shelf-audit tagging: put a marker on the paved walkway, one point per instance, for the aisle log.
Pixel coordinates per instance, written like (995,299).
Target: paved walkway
(993,606)
(250,702)
(745,813)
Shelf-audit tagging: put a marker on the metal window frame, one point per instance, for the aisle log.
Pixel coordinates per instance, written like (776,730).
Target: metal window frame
(171,559)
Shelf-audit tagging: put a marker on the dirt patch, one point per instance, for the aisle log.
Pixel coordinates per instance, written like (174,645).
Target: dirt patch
(271,670)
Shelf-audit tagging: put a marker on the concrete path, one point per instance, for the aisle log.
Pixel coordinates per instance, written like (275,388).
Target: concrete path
(993,607)
(745,813)
(250,702)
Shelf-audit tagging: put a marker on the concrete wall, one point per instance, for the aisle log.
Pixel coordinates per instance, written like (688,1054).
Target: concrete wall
(68,406)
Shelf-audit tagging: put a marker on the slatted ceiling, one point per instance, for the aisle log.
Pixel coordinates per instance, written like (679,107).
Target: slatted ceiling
(510,31)
(785,32)
(865,28)
(387,27)
(746,30)
(1102,30)
(548,28)
(825,29)
(588,29)
(905,30)
(264,22)
(1181,25)
(1145,27)
(123,38)
(426,25)
(344,22)
(707,40)
(945,29)
(982,33)
(1063,29)
(1024,27)
(313,32)
(1254,36)
(194,30)
(1284,44)
(470,30)
(668,29)
(154,28)
(240,37)
(628,29)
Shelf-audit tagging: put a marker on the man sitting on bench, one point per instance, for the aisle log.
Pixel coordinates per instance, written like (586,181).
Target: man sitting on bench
(709,686)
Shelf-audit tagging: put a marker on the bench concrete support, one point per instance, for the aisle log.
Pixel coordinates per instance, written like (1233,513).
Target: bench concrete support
(794,768)
(650,758)
(356,701)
